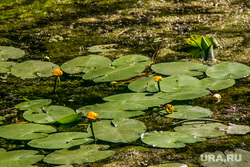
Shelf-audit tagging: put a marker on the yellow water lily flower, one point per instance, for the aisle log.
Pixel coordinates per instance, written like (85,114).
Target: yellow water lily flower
(92,115)
(169,108)
(157,78)
(57,72)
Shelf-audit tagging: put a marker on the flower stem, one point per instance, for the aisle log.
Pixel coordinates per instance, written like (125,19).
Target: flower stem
(92,131)
(158,83)
(55,84)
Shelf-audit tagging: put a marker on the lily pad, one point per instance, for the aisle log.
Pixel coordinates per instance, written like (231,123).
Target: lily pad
(238,157)
(228,70)
(188,112)
(61,140)
(5,67)
(217,84)
(9,52)
(184,94)
(144,84)
(32,104)
(86,153)
(111,110)
(146,99)
(25,131)
(121,68)
(49,114)
(167,139)
(118,130)
(235,129)
(33,69)
(85,64)
(177,82)
(209,130)
(102,48)
(185,68)
(20,158)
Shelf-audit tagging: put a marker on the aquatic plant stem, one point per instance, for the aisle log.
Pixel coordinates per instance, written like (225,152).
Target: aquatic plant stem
(158,83)
(92,131)
(55,84)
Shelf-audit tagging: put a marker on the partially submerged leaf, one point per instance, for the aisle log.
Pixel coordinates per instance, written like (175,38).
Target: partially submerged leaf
(146,99)
(184,68)
(102,48)
(121,68)
(228,70)
(144,84)
(61,140)
(118,130)
(25,131)
(111,110)
(5,67)
(209,130)
(32,104)
(86,153)
(217,84)
(167,139)
(50,114)
(9,52)
(85,64)
(235,129)
(19,158)
(188,112)
(33,69)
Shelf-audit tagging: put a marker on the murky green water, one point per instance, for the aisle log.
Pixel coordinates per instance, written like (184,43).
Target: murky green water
(63,29)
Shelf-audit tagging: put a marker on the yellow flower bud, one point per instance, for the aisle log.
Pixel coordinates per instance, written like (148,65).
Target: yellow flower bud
(169,108)
(57,72)
(157,78)
(92,115)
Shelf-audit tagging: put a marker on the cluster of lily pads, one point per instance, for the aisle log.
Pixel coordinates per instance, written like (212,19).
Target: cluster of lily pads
(116,124)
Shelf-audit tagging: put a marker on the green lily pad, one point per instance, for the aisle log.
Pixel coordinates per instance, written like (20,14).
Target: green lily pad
(235,129)
(49,114)
(184,94)
(228,70)
(86,153)
(170,165)
(9,52)
(111,110)
(102,48)
(235,158)
(167,139)
(177,82)
(85,64)
(32,104)
(146,99)
(217,84)
(25,131)
(5,67)
(144,84)
(121,68)
(20,158)
(184,68)
(33,69)
(188,112)
(209,130)
(61,140)
(118,130)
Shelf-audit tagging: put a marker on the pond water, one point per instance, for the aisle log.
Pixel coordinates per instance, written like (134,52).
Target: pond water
(64,29)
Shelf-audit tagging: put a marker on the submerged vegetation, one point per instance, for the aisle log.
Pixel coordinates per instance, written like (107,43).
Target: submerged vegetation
(116,83)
